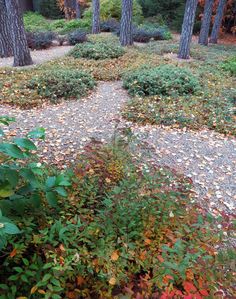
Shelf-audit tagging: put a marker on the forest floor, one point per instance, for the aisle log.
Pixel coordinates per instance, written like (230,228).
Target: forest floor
(208,158)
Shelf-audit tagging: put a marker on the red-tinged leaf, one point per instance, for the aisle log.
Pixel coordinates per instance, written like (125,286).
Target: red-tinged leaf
(160,259)
(189,287)
(188,297)
(204,292)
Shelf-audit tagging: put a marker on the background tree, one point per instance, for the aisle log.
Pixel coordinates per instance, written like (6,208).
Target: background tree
(217,22)
(126,27)
(17,32)
(187,29)
(66,9)
(5,38)
(77,9)
(206,22)
(96,17)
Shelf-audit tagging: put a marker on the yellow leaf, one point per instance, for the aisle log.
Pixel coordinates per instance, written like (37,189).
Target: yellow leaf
(22,297)
(115,255)
(112,281)
(41,292)
(33,290)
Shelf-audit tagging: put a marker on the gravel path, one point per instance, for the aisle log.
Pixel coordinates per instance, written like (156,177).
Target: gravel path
(40,56)
(207,157)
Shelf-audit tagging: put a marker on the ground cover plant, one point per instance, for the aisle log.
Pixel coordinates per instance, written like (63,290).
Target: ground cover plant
(109,227)
(230,66)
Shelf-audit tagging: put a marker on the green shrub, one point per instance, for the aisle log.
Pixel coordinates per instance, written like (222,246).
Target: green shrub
(35,22)
(50,9)
(230,66)
(56,84)
(40,40)
(77,37)
(112,9)
(163,80)
(63,26)
(97,51)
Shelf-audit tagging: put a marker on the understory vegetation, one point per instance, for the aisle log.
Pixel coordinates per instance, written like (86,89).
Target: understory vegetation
(110,226)
(207,101)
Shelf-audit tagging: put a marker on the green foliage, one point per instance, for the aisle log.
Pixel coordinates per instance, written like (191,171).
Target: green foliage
(40,40)
(50,9)
(97,51)
(121,224)
(35,22)
(112,9)
(63,26)
(163,80)
(65,84)
(230,66)
(77,37)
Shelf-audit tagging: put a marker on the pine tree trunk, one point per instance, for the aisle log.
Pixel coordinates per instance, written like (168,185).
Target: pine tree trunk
(206,22)
(66,9)
(217,22)
(5,38)
(19,43)
(77,9)
(96,17)
(126,27)
(187,29)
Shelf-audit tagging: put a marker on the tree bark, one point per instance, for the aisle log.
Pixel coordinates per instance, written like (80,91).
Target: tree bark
(19,42)
(96,17)
(206,22)
(66,9)
(77,9)
(5,38)
(217,22)
(187,29)
(126,27)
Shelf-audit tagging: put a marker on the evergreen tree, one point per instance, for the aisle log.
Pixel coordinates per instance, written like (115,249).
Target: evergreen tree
(96,17)
(217,22)
(126,27)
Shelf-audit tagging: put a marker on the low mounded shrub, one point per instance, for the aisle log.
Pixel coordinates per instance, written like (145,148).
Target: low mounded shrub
(34,22)
(162,80)
(63,26)
(40,40)
(97,51)
(141,36)
(77,37)
(111,25)
(230,66)
(62,84)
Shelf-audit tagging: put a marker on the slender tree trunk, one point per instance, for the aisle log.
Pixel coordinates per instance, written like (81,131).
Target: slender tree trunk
(206,22)
(96,17)
(77,9)
(66,9)
(187,29)
(217,22)
(126,27)
(19,42)
(5,38)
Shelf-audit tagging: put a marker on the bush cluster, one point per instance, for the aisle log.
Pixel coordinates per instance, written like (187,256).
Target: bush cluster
(146,32)
(110,25)
(97,51)
(230,66)
(77,37)
(162,80)
(40,40)
(35,22)
(56,84)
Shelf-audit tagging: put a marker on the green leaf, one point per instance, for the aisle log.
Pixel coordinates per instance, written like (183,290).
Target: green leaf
(11,229)
(11,176)
(6,190)
(51,198)
(46,277)
(38,133)
(1,133)
(25,143)
(50,182)
(12,150)
(61,191)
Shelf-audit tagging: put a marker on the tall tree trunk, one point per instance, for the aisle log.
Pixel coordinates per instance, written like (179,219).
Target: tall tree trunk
(187,29)
(66,9)
(96,17)
(206,22)
(19,42)
(217,22)
(126,27)
(77,9)
(5,38)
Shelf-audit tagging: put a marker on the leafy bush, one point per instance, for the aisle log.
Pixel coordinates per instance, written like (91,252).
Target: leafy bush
(97,51)
(230,66)
(141,36)
(77,37)
(111,25)
(112,9)
(40,40)
(120,224)
(35,22)
(64,26)
(163,80)
(50,9)
(56,84)
(156,31)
